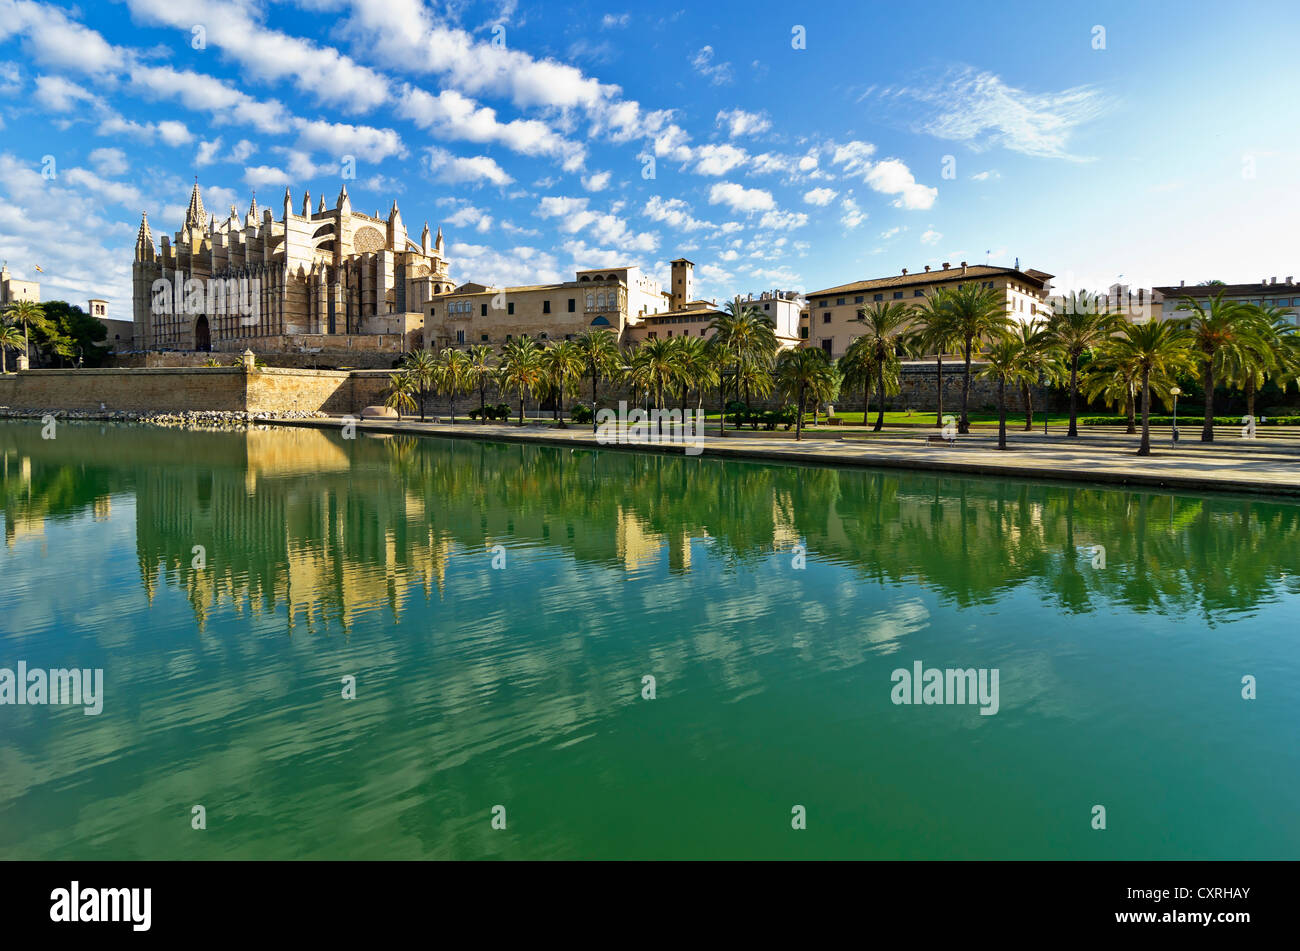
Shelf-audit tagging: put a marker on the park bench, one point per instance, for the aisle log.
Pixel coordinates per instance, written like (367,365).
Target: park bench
(834,420)
(949,438)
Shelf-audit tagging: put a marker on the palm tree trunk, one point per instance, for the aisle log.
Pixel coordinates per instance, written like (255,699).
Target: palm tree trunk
(1144,449)
(1029,406)
(938,374)
(482,401)
(521,406)
(880,413)
(1002,412)
(1074,396)
(451,399)
(1130,410)
(593,402)
(1207,428)
(963,424)
(798,420)
(1250,396)
(866,400)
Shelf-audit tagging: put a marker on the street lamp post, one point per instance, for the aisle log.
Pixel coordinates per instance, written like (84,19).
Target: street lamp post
(1176,393)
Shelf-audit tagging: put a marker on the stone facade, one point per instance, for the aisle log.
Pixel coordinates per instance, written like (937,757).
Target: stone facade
(830,321)
(13,290)
(263,283)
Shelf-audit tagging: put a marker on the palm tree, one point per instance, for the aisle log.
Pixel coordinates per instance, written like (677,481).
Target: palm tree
(600,358)
(521,369)
(858,370)
(655,366)
(1076,328)
(1220,332)
(978,313)
(750,341)
(481,369)
(26,314)
(421,367)
(932,321)
(697,366)
(1159,349)
(452,376)
(1004,365)
(1113,382)
(1264,356)
(799,372)
(10,339)
(562,364)
(1039,360)
(885,322)
(401,393)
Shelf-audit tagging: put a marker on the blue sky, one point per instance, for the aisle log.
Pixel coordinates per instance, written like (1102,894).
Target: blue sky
(895,137)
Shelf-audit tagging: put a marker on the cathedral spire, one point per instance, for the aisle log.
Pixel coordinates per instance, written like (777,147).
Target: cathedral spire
(252,206)
(144,249)
(194,215)
(344,204)
(320,208)
(306,204)
(424,238)
(437,244)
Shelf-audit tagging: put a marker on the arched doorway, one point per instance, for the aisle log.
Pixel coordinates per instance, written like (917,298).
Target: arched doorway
(202,338)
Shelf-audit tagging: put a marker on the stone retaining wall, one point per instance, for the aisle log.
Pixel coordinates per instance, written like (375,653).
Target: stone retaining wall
(280,389)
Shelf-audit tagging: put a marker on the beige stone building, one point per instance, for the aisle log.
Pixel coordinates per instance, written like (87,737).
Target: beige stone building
(13,290)
(332,280)
(830,319)
(120,337)
(616,299)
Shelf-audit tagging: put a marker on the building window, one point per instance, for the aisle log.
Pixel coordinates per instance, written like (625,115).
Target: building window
(460,336)
(573,304)
(825,303)
(803,332)
(546,307)
(591,301)
(543,336)
(510,307)
(826,317)
(919,292)
(509,337)
(898,295)
(653,335)
(767,306)
(482,310)
(483,338)
(877,296)
(859,299)
(839,301)
(826,345)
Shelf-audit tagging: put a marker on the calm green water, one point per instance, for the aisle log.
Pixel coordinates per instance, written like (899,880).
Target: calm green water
(522,686)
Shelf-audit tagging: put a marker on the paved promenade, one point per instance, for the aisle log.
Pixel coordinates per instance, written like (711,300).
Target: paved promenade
(1266,465)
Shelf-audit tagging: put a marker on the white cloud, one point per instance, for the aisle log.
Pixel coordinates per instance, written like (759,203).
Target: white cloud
(978,108)
(455,170)
(782,220)
(718,74)
(612,20)
(738,122)
(169,131)
(574,215)
(738,198)
(853,215)
(338,139)
(108,161)
(718,159)
(57,94)
(260,175)
(674,212)
(453,115)
(821,197)
(854,156)
(931,237)
(892,177)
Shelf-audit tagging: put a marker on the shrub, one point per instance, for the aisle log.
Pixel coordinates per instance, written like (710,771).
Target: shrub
(581,414)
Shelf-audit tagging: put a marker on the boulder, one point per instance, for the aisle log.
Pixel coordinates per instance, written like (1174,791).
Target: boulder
(379,412)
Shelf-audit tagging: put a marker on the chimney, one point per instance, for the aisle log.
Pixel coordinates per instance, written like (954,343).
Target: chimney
(963,268)
(1288,279)
(946,265)
(1274,280)
(927,269)
(1182,283)
(905,273)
